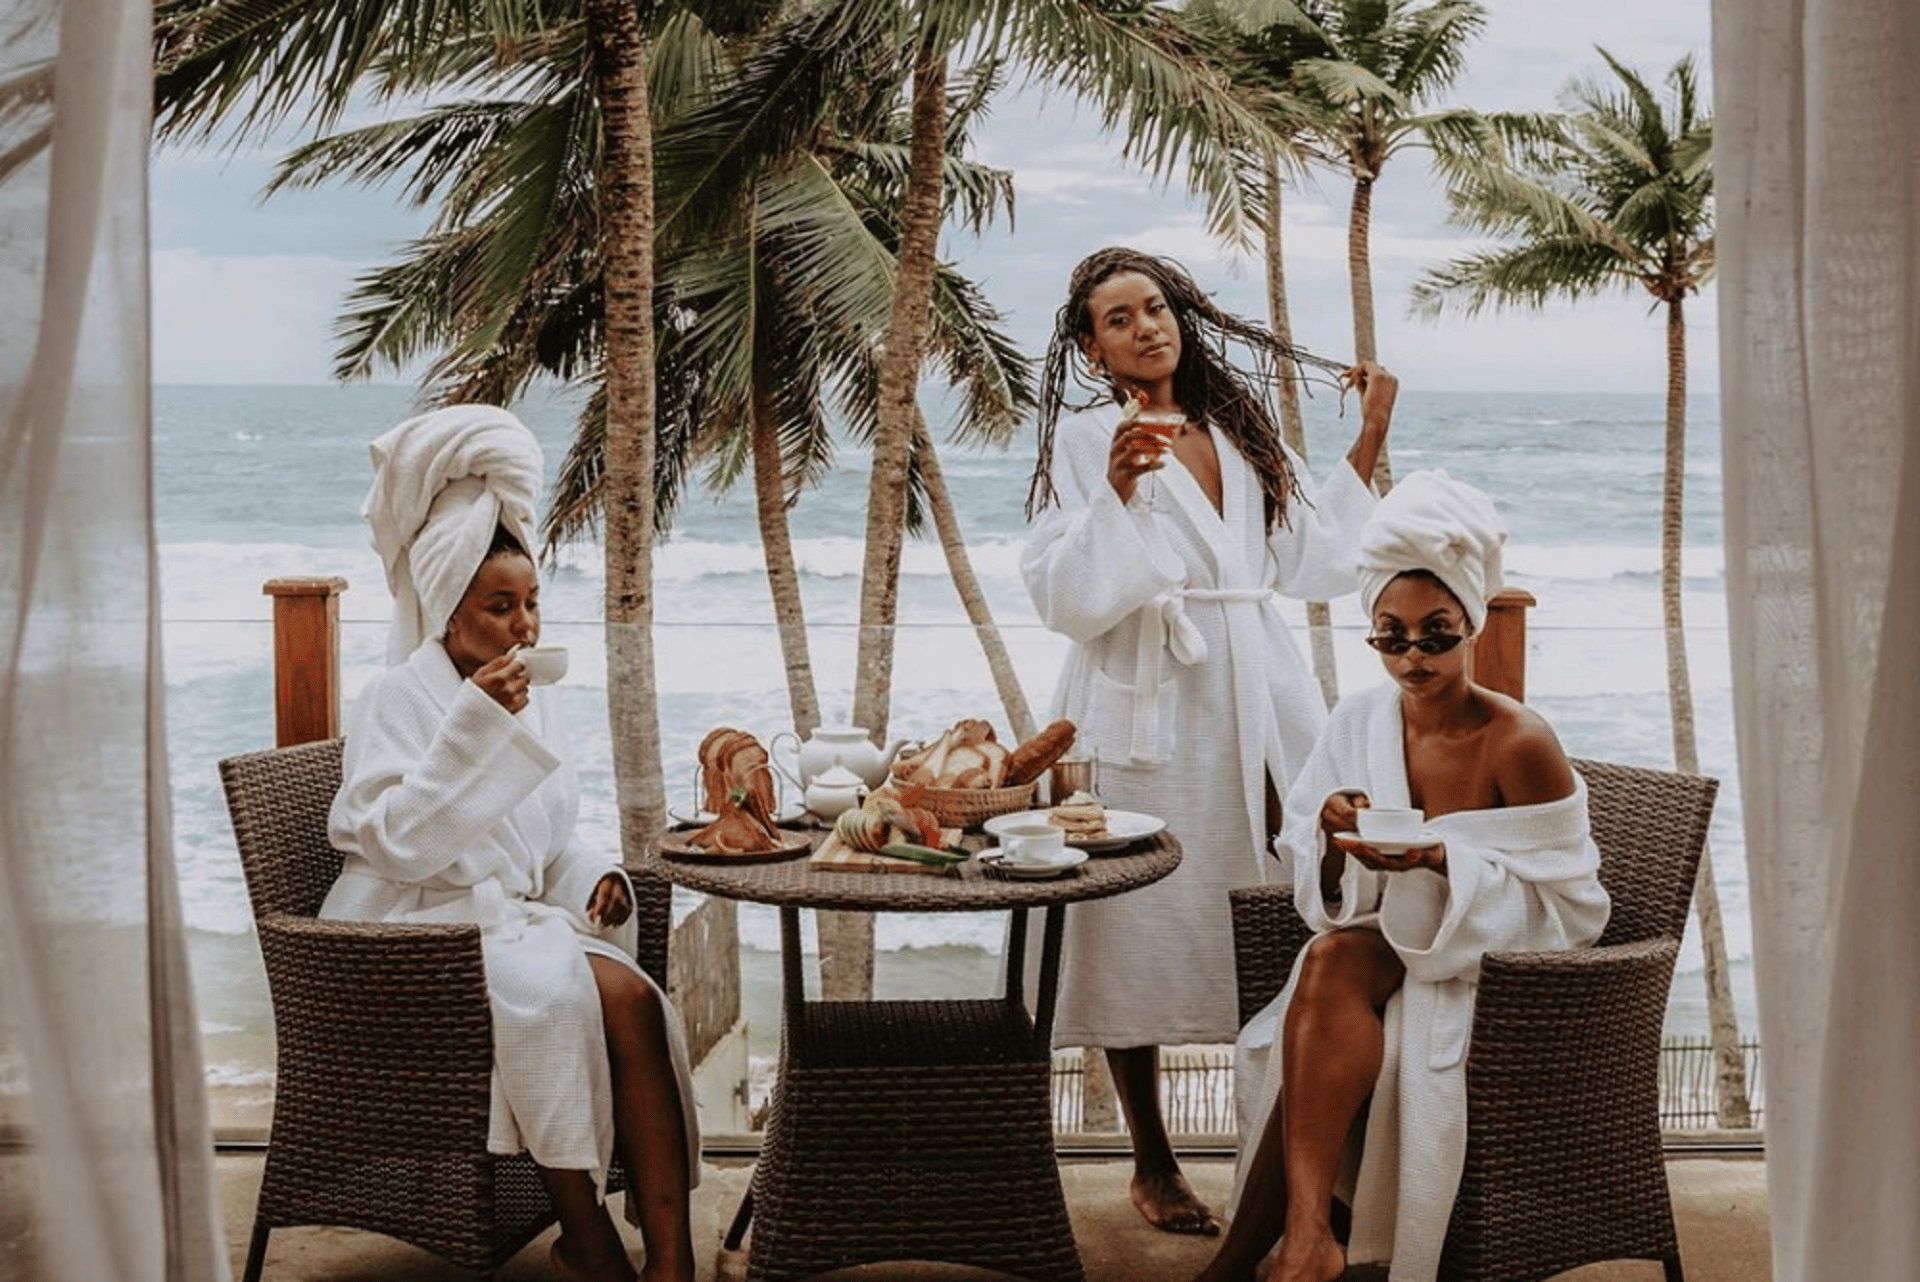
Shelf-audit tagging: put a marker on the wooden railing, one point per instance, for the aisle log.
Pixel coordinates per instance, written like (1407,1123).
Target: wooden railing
(1500,655)
(306,653)
(306,658)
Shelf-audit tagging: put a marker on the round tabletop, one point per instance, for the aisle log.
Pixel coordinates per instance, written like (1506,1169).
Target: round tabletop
(967,887)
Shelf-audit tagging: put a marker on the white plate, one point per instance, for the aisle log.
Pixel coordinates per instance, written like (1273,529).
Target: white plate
(1032,872)
(1123,827)
(689,815)
(1427,837)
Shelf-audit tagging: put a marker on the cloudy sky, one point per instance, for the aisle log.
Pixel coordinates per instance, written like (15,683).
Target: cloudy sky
(246,292)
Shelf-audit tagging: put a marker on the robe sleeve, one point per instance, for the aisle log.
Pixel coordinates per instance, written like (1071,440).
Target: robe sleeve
(423,789)
(1336,762)
(1316,554)
(572,875)
(1092,560)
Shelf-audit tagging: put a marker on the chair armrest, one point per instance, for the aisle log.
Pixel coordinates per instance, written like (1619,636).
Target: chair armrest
(1582,1022)
(1268,933)
(383,1030)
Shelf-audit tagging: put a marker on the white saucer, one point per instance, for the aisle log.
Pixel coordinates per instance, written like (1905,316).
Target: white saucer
(996,861)
(689,815)
(1124,827)
(1427,837)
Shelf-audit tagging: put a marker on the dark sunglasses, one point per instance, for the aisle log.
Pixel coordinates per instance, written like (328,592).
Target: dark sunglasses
(1432,643)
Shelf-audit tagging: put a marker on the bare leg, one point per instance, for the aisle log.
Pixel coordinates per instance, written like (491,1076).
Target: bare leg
(1159,1190)
(1331,1050)
(649,1122)
(589,1249)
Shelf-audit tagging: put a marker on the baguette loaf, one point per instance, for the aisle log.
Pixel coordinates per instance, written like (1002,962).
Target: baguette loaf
(1030,760)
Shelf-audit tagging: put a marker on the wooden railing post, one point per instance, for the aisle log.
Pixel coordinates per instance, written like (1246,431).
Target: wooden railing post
(1500,654)
(306,658)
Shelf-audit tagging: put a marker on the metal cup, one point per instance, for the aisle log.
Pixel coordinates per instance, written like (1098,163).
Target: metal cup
(1070,775)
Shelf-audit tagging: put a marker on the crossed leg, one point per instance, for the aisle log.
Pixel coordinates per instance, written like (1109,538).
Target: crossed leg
(1331,1048)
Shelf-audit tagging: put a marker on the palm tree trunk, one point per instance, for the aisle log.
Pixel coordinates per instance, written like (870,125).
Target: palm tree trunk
(1360,265)
(967,583)
(783,580)
(1360,283)
(625,194)
(899,392)
(1733,1107)
(1293,427)
(846,939)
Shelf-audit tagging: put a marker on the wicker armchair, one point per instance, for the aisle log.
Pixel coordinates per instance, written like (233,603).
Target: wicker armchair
(1564,1165)
(385,1042)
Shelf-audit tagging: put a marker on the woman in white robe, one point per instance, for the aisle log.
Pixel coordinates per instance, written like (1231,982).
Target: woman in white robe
(1380,1003)
(1161,561)
(458,805)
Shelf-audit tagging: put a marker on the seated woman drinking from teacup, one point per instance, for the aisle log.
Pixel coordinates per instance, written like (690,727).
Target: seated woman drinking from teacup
(458,805)
(1380,1002)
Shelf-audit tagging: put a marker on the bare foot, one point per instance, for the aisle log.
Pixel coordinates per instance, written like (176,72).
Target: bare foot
(1304,1257)
(567,1269)
(1168,1202)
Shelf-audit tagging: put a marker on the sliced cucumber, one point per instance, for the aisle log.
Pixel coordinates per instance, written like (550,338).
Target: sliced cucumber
(923,854)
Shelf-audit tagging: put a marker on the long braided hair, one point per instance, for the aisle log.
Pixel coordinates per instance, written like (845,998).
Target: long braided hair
(1206,383)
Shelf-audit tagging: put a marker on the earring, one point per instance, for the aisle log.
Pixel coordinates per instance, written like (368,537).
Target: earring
(1096,367)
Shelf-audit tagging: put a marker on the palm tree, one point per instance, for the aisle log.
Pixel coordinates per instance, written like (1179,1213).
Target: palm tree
(1615,194)
(1383,61)
(250,65)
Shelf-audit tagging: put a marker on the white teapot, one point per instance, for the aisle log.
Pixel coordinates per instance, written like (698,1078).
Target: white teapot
(834,791)
(830,746)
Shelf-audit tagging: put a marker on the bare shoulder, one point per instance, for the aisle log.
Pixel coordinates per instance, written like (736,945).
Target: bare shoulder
(1529,765)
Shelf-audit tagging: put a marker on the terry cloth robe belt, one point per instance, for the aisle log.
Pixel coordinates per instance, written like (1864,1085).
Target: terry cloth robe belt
(1165,626)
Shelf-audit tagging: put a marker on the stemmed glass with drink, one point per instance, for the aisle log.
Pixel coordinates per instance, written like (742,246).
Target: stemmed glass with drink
(1162,425)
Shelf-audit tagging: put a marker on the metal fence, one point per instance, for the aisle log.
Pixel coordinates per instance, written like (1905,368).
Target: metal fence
(1196,1089)
(1687,1091)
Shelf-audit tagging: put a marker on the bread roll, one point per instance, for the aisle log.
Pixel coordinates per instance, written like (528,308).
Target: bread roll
(969,731)
(1030,760)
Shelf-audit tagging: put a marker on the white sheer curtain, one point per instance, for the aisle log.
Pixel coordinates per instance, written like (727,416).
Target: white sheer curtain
(1818,175)
(100,1071)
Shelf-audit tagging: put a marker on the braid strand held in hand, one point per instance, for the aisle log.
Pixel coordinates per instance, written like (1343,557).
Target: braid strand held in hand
(1207,383)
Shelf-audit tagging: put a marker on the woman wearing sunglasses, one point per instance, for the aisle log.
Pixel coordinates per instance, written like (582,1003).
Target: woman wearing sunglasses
(1381,1000)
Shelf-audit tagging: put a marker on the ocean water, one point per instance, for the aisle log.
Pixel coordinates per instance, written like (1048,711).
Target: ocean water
(256,483)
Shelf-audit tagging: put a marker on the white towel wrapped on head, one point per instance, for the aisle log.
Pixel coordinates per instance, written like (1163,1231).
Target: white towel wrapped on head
(1430,521)
(441,482)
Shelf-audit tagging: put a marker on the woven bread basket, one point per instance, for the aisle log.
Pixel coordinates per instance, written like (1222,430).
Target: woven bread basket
(971,807)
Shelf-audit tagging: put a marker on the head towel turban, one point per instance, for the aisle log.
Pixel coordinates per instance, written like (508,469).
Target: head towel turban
(441,483)
(1429,521)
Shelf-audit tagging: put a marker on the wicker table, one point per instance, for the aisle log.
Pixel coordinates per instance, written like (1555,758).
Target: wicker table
(915,1130)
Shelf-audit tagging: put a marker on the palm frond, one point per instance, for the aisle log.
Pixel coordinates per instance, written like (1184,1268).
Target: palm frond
(1612,193)
(1432,46)
(247,66)
(1530,275)
(774,104)
(980,358)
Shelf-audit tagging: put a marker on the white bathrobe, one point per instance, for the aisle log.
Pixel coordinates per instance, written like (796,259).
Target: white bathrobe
(455,810)
(1186,681)
(1524,877)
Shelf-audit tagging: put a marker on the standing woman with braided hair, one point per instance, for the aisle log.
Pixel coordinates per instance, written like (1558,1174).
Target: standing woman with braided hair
(1161,556)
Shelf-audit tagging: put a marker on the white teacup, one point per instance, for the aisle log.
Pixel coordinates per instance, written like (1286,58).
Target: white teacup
(1390,823)
(1033,844)
(546,664)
